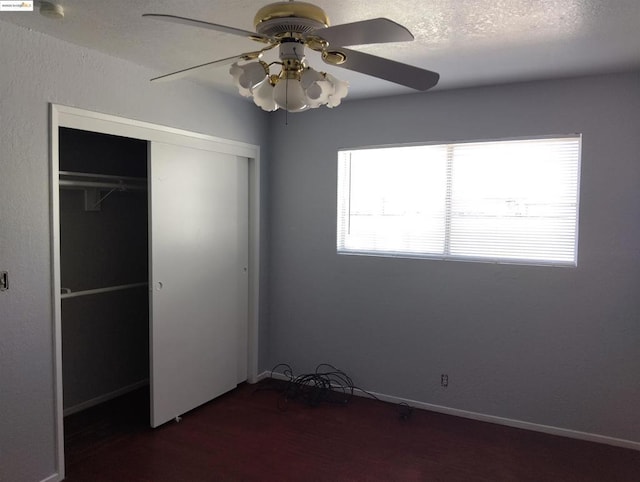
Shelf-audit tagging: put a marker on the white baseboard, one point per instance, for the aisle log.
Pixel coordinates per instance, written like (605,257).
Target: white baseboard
(103,398)
(52,478)
(267,374)
(562,432)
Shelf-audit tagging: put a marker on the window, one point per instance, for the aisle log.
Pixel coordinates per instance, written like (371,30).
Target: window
(501,201)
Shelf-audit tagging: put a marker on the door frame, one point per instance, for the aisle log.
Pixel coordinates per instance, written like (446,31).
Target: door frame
(72,117)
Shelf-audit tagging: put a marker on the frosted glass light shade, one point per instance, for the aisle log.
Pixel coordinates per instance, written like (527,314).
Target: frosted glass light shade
(340,89)
(316,87)
(309,76)
(263,97)
(247,77)
(289,95)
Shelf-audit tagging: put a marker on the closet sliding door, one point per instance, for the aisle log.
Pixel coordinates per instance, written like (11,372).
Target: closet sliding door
(198,280)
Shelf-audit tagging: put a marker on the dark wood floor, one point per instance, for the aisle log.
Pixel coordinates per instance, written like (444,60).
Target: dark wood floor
(252,434)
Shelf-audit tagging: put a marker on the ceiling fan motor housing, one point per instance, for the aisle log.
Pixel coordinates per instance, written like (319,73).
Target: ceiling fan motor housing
(291,53)
(281,18)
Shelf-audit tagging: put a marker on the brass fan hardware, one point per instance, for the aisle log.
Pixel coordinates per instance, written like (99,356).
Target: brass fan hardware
(334,57)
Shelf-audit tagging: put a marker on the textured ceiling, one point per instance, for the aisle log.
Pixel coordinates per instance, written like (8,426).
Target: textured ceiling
(469,42)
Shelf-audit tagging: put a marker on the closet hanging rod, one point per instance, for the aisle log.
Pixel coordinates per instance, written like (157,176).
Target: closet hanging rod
(101,176)
(74,294)
(101,185)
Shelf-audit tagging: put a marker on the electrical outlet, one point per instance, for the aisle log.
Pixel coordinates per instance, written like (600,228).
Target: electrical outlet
(444,380)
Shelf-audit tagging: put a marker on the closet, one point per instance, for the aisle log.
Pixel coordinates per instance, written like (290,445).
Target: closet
(155,242)
(104,267)
(153,270)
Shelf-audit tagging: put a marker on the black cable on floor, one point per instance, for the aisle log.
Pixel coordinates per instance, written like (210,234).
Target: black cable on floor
(327,384)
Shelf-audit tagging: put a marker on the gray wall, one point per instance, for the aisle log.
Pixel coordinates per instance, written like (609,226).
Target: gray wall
(36,70)
(553,346)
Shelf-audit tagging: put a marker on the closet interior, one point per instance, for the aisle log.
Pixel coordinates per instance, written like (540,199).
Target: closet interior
(104,272)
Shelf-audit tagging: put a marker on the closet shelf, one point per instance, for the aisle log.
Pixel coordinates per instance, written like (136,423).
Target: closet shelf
(67,293)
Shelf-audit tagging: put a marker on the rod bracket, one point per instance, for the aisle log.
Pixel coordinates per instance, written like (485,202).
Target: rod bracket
(91,199)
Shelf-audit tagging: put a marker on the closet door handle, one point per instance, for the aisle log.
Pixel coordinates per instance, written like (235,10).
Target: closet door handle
(159,285)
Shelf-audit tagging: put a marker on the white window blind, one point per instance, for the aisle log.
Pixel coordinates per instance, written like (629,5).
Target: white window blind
(501,201)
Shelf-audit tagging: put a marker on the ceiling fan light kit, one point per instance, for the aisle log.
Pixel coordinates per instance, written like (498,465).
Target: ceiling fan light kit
(292,26)
(296,88)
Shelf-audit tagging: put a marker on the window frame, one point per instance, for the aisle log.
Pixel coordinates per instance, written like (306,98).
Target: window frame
(342,218)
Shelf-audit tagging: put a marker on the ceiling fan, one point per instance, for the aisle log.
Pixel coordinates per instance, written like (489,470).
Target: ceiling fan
(291,26)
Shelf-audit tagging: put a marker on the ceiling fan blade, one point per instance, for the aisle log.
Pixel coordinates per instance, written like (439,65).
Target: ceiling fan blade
(373,31)
(229,60)
(211,26)
(399,73)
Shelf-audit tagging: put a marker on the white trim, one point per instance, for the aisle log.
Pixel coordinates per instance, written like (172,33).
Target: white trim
(65,116)
(509,422)
(268,374)
(52,478)
(79,407)
(120,126)
(55,286)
